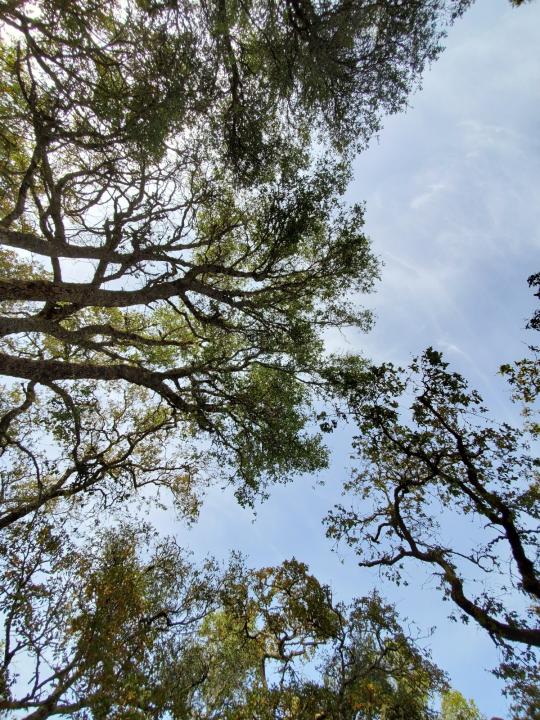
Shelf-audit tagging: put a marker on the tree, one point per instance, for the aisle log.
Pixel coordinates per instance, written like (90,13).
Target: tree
(426,443)
(375,671)
(170,242)
(128,627)
(455,707)
(85,628)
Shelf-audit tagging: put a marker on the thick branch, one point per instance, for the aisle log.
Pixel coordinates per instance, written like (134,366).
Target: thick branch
(50,370)
(84,295)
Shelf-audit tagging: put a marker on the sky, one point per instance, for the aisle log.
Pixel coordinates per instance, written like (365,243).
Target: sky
(452,199)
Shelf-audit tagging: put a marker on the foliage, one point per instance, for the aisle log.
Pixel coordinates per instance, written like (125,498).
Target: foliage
(455,707)
(130,628)
(172,231)
(174,247)
(534,282)
(427,443)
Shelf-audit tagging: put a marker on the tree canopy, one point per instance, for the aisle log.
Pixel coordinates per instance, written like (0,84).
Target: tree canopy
(455,707)
(173,240)
(431,458)
(174,247)
(129,627)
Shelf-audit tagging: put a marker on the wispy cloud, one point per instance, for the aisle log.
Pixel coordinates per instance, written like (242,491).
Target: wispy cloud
(419,200)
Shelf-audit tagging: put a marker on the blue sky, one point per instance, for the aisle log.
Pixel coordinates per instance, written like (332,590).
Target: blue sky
(453,208)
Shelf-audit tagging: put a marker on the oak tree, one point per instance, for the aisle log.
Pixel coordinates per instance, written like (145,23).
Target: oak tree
(430,460)
(129,627)
(173,241)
